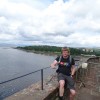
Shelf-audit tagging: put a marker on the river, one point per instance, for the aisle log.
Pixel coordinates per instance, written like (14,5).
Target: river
(14,63)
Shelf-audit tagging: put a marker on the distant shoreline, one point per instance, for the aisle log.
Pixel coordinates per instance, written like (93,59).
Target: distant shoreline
(41,52)
(53,50)
(44,53)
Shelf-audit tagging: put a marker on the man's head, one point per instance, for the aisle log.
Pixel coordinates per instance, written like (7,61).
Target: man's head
(65,52)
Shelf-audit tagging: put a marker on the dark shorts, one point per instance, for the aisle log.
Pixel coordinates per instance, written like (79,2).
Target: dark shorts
(68,79)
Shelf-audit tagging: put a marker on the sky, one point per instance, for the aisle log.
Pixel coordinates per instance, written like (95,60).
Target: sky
(72,23)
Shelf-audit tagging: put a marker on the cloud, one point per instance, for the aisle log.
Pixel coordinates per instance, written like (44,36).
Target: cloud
(50,22)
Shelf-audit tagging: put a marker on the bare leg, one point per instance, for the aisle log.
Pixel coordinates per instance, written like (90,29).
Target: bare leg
(61,87)
(72,94)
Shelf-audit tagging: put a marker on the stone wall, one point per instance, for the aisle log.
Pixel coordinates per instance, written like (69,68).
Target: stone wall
(90,77)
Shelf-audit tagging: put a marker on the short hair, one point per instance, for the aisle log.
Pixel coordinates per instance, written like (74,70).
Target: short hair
(65,49)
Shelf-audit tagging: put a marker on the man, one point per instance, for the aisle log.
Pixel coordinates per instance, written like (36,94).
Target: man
(66,70)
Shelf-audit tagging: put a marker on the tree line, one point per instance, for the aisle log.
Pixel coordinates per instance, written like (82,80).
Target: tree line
(55,49)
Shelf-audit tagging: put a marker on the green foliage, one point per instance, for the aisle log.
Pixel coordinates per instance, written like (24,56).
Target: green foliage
(42,48)
(57,50)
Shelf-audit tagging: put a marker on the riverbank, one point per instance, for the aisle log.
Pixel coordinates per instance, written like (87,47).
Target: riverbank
(57,50)
(41,52)
(44,53)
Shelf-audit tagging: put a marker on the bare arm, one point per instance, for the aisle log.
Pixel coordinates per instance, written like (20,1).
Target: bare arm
(73,69)
(54,64)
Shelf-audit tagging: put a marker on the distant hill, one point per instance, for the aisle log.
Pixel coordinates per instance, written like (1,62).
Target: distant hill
(57,50)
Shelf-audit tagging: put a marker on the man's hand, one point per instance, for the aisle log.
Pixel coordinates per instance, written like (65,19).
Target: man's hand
(54,64)
(73,69)
(72,76)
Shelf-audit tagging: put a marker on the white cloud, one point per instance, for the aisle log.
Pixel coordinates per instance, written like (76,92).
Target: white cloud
(72,23)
